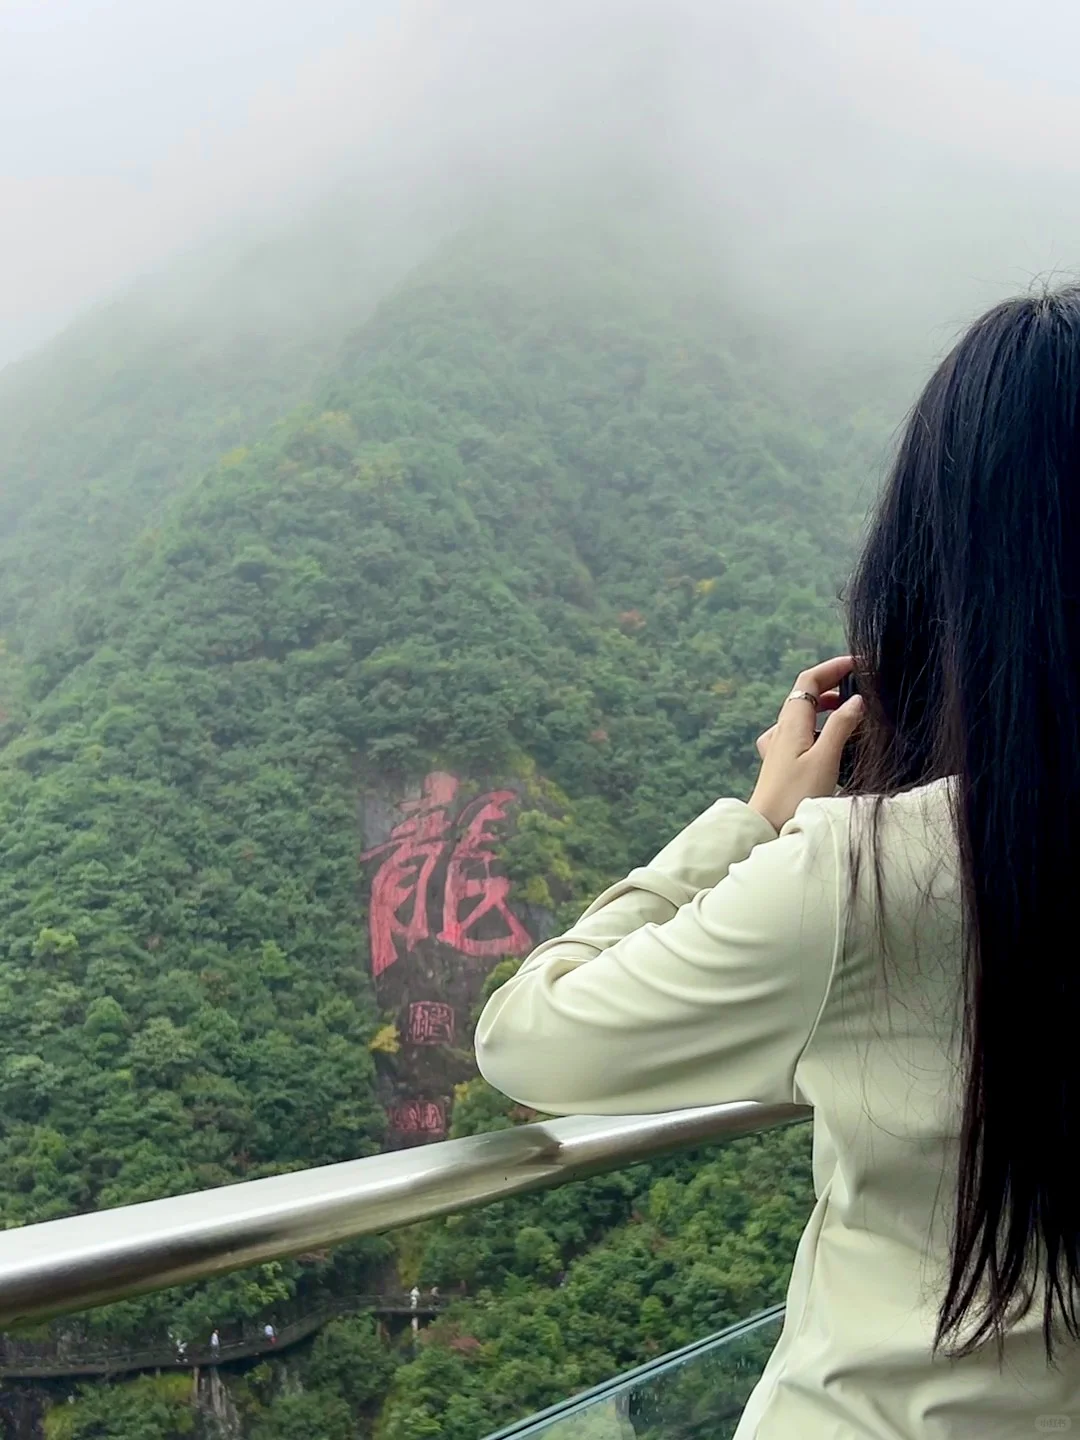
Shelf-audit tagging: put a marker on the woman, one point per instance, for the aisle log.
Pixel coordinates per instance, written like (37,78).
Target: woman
(901,956)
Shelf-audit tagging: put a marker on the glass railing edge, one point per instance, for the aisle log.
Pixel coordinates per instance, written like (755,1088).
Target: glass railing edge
(631,1379)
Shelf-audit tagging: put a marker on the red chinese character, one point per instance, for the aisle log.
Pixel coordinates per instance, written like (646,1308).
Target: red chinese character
(418,1117)
(489,892)
(405,1118)
(400,889)
(432,1118)
(415,847)
(431,1023)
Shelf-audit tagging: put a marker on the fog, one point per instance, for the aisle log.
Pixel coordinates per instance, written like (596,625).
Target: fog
(867,172)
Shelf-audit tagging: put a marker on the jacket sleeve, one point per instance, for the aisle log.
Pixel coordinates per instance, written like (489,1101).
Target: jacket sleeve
(696,980)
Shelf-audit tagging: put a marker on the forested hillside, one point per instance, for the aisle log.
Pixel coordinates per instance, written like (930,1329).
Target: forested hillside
(99,431)
(547,516)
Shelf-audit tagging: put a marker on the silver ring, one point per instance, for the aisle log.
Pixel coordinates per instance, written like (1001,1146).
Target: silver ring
(804,695)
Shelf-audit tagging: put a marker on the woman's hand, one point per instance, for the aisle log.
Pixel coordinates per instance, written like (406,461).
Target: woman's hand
(795,764)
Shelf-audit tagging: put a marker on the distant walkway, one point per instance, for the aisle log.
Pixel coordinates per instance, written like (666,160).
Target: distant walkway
(42,1359)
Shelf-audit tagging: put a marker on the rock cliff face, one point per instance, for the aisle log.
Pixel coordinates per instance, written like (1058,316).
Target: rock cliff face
(22,1412)
(440,916)
(216,1412)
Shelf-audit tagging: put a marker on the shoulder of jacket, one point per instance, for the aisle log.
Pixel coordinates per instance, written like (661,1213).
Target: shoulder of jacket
(822,818)
(916,824)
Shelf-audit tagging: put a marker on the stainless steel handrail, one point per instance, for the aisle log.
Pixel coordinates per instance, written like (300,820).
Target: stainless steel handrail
(86,1260)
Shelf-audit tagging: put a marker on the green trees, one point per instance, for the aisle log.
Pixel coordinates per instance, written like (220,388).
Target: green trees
(537,520)
(351,1361)
(150,1408)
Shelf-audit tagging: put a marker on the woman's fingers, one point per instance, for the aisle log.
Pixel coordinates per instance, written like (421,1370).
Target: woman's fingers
(796,764)
(839,728)
(797,718)
(802,727)
(826,676)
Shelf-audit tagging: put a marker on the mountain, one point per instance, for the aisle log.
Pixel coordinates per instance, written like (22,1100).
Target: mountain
(102,429)
(530,552)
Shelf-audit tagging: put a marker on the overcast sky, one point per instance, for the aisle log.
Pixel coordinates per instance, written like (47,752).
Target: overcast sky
(132,129)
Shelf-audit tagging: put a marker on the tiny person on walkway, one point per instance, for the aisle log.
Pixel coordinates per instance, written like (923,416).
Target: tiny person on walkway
(270,1333)
(215,1344)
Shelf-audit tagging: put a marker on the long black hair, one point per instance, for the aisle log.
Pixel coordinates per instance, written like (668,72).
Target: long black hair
(965,615)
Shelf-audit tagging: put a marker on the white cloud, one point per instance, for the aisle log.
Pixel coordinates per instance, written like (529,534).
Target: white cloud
(823,129)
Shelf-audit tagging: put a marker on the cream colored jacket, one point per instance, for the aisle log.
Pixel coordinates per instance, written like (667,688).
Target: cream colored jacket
(742,965)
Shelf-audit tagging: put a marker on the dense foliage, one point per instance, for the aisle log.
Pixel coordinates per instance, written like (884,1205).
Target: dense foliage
(103,428)
(548,516)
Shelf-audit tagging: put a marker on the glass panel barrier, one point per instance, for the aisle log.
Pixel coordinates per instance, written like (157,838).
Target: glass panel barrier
(696,1393)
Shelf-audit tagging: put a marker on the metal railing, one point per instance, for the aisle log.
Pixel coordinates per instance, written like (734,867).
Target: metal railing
(71,1264)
